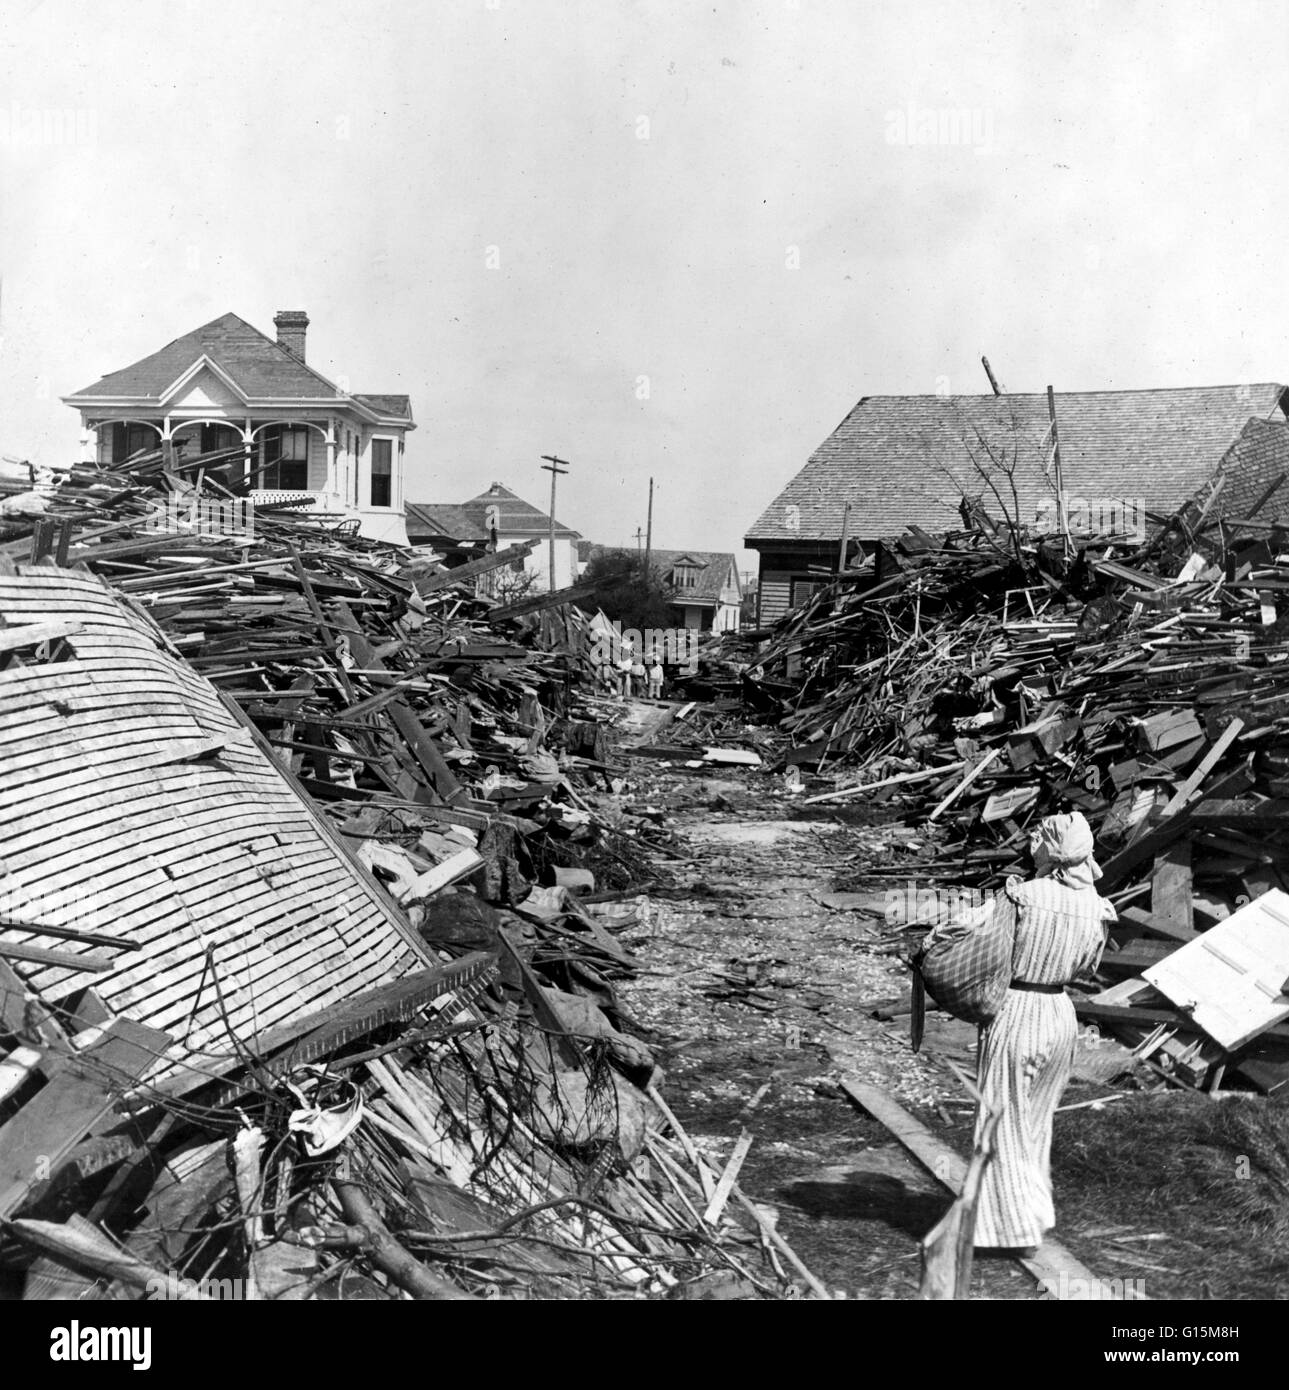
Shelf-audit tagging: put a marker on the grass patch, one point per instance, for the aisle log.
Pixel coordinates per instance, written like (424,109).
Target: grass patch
(1213,1177)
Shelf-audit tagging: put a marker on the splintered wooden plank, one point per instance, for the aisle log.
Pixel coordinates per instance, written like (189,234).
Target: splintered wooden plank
(432,583)
(49,1126)
(113,943)
(1119,866)
(1206,765)
(62,960)
(1170,893)
(13,1000)
(425,885)
(1229,979)
(1150,1016)
(31,634)
(1053,1266)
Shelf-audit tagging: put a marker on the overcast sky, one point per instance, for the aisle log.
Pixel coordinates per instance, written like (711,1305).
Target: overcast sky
(659,238)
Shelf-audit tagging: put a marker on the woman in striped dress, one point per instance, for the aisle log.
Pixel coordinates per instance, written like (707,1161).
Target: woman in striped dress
(1027,1051)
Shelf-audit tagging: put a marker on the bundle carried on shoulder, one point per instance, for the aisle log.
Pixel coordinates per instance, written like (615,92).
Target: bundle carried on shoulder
(966,966)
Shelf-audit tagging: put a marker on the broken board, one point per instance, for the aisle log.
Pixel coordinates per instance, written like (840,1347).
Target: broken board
(1053,1265)
(1229,980)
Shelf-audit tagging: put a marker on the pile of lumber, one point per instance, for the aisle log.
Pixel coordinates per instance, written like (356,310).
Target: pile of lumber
(298,996)
(972,694)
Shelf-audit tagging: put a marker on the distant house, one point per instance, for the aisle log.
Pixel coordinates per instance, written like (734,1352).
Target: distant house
(302,438)
(706,592)
(509,520)
(445,529)
(901,461)
(705,587)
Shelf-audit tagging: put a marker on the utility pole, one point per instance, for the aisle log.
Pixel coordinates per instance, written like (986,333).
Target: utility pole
(552,466)
(639,538)
(989,372)
(1060,481)
(845,536)
(649,531)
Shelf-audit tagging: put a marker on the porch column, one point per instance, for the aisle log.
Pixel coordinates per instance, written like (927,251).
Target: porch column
(89,443)
(333,485)
(248,451)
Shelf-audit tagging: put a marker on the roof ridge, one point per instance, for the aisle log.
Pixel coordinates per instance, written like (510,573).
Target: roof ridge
(1042,394)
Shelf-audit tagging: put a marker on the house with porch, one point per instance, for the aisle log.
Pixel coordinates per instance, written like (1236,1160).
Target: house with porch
(929,461)
(302,438)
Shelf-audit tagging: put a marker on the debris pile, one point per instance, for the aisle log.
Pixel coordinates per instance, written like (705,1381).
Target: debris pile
(972,691)
(300,996)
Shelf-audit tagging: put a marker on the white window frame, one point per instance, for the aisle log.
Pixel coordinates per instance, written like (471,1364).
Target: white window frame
(392,441)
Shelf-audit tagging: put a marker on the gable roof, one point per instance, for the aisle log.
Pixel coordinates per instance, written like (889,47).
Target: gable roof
(902,461)
(714,569)
(256,365)
(518,518)
(443,520)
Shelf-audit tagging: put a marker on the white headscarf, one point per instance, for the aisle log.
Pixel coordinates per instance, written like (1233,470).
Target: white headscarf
(1062,847)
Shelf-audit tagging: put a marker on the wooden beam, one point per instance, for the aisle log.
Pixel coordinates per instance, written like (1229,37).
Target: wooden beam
(64,960)
(1150,1016)
(1120,865)
(56,1119)
(1053,1266)
(538,602)
(1206,765)
(962,786)
(433,583)
(1170,892)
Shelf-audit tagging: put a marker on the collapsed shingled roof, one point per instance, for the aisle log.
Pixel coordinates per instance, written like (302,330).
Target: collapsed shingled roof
(902,460)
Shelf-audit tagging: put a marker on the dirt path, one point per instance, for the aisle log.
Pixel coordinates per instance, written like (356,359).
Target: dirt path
(752,977)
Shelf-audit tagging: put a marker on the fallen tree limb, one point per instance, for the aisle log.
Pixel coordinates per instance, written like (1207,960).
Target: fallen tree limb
(388,1255)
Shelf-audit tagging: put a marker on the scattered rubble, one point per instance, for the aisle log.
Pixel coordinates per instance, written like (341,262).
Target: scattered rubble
(971,688)
(310,939)
(335,895)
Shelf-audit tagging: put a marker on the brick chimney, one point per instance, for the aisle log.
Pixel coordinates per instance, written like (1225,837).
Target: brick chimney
(291,325)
